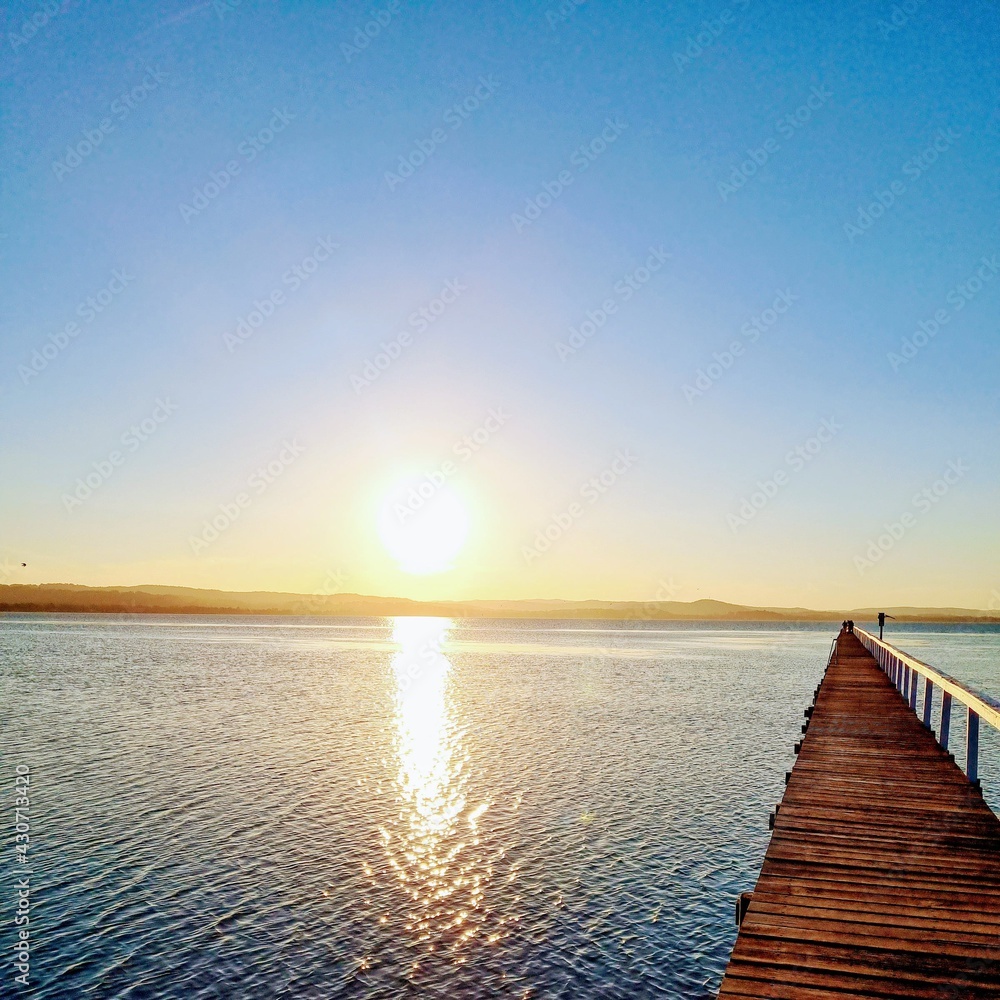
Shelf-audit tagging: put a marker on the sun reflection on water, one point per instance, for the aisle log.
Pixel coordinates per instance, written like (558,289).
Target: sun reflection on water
(427,741)
(435,847)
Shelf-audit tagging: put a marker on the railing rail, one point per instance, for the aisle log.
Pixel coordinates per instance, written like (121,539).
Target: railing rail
(905,670)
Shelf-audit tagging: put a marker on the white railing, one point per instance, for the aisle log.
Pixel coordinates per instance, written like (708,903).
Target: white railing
(905,670)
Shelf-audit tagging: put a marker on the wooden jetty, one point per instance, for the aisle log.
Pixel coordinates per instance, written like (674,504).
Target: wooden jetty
(882,878)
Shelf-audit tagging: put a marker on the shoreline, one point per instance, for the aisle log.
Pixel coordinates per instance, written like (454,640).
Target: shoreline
(435,611)
(149,599)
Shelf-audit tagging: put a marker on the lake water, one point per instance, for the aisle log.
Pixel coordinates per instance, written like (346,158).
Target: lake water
(274,807)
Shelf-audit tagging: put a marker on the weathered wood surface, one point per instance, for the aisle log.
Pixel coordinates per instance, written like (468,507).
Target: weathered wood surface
(882,878)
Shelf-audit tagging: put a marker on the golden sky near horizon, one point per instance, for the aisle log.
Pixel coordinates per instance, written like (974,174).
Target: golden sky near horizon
(442,534)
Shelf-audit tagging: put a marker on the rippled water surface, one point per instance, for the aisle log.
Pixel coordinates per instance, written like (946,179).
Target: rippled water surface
(264,807)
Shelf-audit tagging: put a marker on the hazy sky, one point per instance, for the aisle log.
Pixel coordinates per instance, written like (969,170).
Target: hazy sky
(542,227)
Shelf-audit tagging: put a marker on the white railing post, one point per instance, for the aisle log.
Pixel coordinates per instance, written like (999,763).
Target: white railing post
(972,747)
(928,700)
(945,719)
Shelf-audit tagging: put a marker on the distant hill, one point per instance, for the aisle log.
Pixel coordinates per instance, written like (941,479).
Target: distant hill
(60,597)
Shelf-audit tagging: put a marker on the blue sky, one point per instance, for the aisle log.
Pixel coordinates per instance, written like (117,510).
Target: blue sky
(746,138)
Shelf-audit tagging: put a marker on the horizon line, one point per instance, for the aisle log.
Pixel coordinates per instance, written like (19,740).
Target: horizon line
(987,612)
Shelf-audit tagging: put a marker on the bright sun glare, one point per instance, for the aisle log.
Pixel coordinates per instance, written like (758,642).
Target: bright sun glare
(423,528)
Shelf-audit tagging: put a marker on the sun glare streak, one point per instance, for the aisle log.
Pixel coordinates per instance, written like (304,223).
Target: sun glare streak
(436,846)
(427,742)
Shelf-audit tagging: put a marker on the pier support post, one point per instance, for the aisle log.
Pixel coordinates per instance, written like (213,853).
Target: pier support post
(742,905)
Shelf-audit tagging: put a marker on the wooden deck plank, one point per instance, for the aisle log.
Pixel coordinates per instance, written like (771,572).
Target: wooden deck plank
(882,878)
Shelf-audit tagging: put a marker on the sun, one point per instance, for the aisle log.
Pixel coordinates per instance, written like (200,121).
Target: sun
(423,526)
